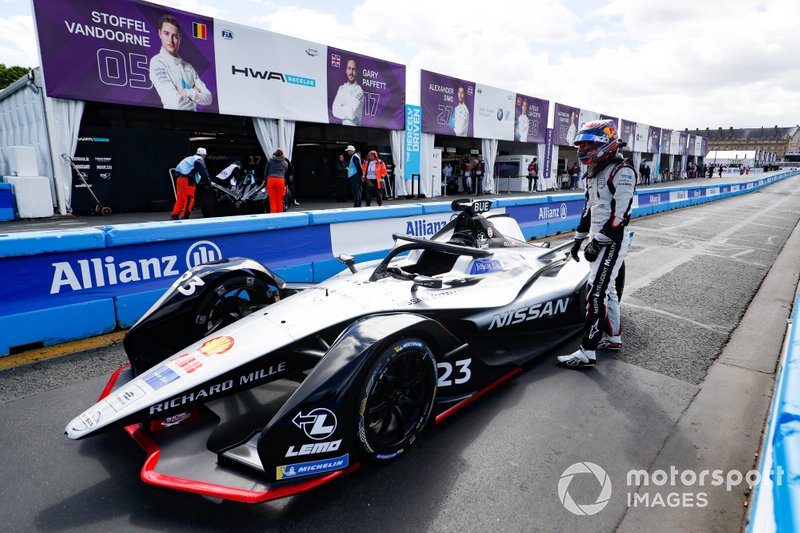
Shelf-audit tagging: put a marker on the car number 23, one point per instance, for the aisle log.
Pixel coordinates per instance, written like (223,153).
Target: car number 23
(447,377)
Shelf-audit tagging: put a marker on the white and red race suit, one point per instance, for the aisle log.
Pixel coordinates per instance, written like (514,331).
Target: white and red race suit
(610,188)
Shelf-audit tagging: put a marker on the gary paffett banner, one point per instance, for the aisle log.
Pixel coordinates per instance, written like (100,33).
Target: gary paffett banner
(137,53)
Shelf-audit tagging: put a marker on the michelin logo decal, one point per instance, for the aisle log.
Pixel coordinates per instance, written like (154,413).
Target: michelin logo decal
(311,467)
(98,272)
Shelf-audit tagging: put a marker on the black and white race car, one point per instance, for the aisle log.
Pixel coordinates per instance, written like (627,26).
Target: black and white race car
(248,388)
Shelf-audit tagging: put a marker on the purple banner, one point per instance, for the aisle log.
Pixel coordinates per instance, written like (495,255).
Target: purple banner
(548,153)
(665,135)
(530,119)
(364,91)
(655,137)
(607,117)
(704,146)
(111,51)
(565,124)
(447,104)
(682,143)
(690,145)
(627,133)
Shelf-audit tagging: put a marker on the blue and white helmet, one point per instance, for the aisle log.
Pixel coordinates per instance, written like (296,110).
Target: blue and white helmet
(597,140)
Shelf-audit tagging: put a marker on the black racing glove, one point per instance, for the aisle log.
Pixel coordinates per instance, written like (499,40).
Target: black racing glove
(592,250)
(576,247)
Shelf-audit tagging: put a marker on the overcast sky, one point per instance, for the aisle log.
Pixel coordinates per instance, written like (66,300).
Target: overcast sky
(673,63)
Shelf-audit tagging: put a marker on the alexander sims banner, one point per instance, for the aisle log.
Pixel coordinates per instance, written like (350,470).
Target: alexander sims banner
(530,119)
(265,74)
(448,104)
(565,124)
(127,53)
(364,91)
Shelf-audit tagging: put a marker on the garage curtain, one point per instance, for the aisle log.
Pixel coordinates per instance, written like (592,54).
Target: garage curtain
(65,122)
(489,149)
(275,133)
(397,140)
(426,164)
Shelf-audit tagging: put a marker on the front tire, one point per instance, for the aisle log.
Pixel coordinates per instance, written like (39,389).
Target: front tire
(396,400)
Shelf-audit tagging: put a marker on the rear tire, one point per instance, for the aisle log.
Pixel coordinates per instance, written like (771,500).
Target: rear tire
(396,400)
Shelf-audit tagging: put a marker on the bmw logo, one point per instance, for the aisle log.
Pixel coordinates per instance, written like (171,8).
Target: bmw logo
(499,114)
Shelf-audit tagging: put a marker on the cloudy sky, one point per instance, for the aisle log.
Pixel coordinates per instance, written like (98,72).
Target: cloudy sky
(673,64)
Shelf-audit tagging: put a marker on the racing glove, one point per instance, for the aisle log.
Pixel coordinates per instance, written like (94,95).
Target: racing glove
(592,250)
(576,247)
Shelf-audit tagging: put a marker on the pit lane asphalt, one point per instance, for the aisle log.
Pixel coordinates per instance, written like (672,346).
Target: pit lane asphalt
(692,274)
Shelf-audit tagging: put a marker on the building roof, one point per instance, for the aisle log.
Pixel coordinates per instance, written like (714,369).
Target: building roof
(748,134)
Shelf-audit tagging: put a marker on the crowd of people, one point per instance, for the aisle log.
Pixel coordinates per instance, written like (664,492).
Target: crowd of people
(364,179)
(466,175)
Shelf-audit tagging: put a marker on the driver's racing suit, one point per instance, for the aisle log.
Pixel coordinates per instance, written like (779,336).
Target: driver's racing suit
(348,105)
(609,197)
(177,83)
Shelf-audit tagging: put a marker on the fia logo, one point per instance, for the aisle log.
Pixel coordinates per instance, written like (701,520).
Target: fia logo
(318,424)
(202,252)
(227,34)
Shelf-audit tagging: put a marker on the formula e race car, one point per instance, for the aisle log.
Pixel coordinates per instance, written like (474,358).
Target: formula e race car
(245,387)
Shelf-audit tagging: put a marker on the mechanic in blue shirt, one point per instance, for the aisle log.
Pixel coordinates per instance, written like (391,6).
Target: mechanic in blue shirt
(355,173)
(190,171)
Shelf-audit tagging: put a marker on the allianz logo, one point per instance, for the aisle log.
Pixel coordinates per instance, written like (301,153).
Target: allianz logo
(425,228)
(82,274)
(547,212)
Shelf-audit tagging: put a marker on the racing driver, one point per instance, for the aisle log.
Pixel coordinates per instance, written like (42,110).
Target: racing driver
(610,186)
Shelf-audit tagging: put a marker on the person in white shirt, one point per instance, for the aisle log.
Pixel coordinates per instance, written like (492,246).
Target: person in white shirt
(175,80)
(348,106)
(460,119)
(523,124)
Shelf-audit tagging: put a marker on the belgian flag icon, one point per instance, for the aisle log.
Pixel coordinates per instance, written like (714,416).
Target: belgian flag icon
(199,30)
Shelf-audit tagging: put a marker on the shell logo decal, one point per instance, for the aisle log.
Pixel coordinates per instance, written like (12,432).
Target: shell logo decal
(216,346)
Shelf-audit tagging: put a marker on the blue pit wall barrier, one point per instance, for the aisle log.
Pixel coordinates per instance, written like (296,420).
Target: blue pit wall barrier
(776,502)
(67,285)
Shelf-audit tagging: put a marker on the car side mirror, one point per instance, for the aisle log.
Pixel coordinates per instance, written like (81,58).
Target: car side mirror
(349,261)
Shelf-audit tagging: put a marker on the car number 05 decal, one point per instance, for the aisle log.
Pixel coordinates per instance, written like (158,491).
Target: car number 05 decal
(463,373)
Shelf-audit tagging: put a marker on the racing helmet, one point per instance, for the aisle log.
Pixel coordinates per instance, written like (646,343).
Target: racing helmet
(597,140)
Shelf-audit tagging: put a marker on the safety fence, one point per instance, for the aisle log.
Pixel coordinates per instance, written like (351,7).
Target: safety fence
(66,285)
(776,502)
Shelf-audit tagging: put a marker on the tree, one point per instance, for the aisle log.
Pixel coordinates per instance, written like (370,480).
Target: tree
(9,75)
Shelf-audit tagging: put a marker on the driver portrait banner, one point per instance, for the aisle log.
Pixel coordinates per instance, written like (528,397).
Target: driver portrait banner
(627,133)
(653,140)
(683,139)
(110,51)
(665,136)
(448,104)
(364,91)
(532,127)
(565,124)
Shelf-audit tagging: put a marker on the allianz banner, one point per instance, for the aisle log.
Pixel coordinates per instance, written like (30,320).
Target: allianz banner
(142,54)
